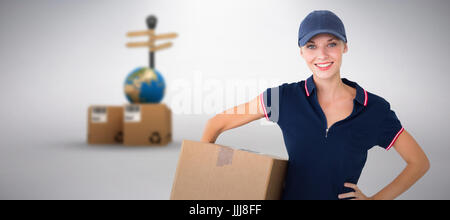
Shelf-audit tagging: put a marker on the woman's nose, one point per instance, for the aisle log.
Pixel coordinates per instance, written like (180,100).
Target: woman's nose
(322,53)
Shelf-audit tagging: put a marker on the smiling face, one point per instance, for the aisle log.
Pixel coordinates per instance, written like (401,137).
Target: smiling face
(323,55)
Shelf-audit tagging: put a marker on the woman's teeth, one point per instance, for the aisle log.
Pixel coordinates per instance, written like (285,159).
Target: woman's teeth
(324,65)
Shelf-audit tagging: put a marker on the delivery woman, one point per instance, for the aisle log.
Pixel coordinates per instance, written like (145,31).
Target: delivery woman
(328,123)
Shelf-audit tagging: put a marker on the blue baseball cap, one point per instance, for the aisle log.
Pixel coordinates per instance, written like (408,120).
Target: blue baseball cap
(318,22)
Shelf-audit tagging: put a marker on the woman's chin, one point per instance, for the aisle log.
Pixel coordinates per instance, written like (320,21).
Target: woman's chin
(325,74)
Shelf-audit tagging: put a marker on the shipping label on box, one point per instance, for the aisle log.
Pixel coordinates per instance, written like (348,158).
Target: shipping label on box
(99,114)
(132,113)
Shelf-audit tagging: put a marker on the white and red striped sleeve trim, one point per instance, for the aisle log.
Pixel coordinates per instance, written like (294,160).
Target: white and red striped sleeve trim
(261,99)
(395,138)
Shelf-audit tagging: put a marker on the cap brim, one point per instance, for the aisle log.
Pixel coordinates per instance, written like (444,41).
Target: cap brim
(311,34)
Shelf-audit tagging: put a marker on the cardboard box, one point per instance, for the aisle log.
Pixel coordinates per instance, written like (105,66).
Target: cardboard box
(147,125)
(208,171)
(105,125)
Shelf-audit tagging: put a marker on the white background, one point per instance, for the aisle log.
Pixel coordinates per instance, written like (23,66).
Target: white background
(59,57)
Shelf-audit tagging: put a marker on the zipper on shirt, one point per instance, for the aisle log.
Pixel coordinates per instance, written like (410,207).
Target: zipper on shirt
(326,132)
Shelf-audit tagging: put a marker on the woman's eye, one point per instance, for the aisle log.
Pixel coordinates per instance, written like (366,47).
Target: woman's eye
(310,46)
(332,44)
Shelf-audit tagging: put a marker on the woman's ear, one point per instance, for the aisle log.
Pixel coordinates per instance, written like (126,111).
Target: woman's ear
(301,52)
(345,48)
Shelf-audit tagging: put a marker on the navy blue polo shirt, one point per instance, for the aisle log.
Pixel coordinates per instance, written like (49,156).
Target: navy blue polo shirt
(322,159)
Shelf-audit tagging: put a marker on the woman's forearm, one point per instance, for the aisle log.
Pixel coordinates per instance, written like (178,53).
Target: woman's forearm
(232,118)
(403,182)
(212,130)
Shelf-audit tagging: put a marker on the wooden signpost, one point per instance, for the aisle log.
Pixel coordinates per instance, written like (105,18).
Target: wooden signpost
(150,44)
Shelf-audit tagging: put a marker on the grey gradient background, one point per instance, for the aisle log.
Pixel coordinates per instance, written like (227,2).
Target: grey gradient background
(57,57)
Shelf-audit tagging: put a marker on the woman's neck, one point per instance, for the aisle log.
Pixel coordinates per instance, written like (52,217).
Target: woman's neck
(330,89)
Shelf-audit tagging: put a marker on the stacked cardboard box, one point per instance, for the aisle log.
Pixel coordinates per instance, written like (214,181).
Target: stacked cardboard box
(147,124)
(132,125)
(208,171)
(105,125)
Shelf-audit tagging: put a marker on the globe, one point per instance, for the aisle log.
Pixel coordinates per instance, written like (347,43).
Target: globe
(144,85)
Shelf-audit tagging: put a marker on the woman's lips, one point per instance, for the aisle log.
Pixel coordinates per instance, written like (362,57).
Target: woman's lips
(324,66)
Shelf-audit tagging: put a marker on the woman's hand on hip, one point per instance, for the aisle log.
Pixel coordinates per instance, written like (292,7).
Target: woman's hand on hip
(356,195)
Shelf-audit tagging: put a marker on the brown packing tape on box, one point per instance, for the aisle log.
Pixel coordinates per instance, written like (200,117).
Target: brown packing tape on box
(105,125)
(225,156)
(209,171)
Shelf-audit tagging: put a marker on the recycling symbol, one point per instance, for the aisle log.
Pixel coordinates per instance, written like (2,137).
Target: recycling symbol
(119,137)
(155,138)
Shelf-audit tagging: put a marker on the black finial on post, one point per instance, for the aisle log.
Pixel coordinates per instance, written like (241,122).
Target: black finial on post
(151,24)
